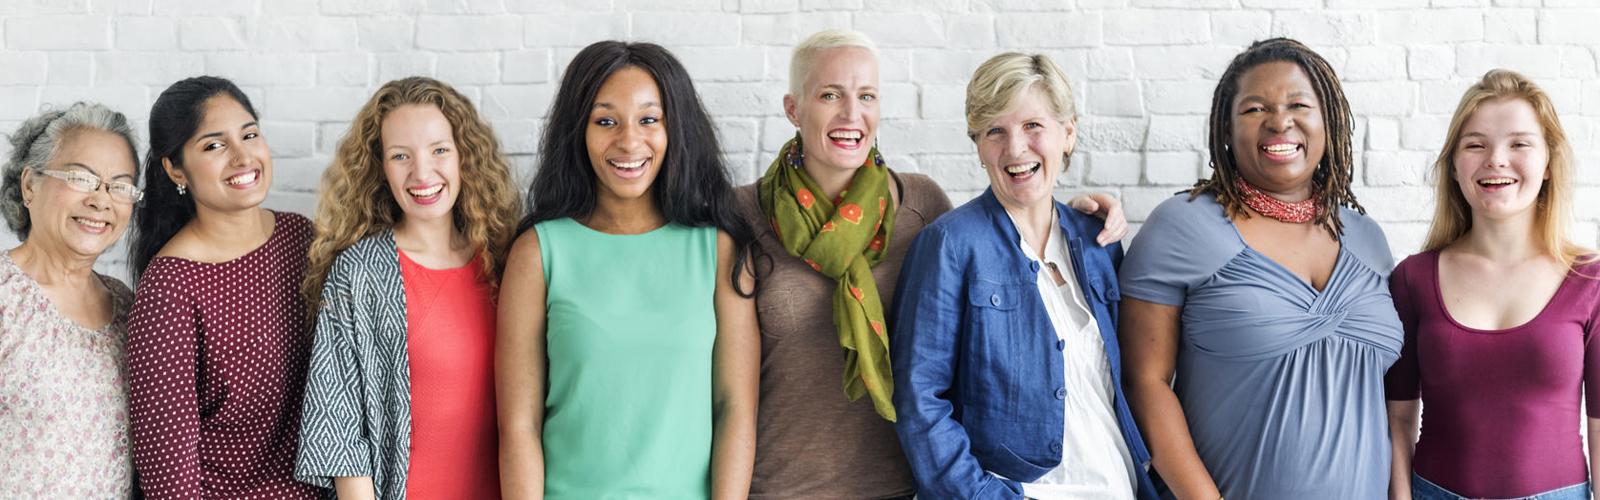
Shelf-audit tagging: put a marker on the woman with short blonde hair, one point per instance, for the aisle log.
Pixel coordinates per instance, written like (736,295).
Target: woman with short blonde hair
(1005,344)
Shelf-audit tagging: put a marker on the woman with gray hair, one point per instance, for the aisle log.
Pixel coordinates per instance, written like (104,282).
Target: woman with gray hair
(832,223)
(68,191)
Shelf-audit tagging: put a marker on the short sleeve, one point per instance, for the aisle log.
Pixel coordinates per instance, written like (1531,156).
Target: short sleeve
(1591,346)
(332,438)
(1365,239)
(1179,247)
(1403,380)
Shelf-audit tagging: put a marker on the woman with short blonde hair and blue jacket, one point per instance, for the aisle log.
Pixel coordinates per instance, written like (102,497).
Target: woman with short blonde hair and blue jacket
(1005,344)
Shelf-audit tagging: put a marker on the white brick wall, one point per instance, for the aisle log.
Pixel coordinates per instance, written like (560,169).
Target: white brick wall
(1143,69)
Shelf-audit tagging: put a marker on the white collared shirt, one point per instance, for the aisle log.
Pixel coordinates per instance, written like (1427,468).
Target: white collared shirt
(1095,462)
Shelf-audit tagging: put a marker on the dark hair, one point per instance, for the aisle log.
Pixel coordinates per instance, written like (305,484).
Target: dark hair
(1332,177)
(173,120)
(692,188)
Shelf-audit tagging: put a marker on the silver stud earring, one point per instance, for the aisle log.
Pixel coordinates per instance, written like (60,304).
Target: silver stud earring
(182,190)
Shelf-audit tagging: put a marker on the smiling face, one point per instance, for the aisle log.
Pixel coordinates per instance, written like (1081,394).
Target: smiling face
(77,223)
(1502,160)
(1278,135)
(421,162)
(837,110)
(1024,150)
(627,135)
(226,165)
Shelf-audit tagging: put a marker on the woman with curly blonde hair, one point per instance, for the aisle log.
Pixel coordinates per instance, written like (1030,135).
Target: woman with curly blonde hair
(413,222)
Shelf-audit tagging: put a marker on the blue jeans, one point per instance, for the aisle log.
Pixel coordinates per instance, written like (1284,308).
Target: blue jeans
(1423,489)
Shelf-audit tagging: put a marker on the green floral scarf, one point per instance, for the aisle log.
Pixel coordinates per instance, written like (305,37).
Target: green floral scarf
(842,239)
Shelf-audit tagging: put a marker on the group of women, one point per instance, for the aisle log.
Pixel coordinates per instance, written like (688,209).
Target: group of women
(835,330)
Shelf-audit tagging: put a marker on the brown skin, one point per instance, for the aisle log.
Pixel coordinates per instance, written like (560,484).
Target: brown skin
(626,127)
(1276,104)
(229,221)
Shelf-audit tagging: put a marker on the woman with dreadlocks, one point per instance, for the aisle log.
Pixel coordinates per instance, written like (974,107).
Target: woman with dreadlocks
(1264,292)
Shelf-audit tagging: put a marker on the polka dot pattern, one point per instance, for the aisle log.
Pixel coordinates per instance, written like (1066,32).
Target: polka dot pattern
(63,402)
(217,359)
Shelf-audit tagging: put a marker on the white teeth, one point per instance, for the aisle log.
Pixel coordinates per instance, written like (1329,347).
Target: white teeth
(1021,168)
(627,166)
(1496,181)
(1282,148)
(424,193)
(854,135)
(97,224)
(244,178)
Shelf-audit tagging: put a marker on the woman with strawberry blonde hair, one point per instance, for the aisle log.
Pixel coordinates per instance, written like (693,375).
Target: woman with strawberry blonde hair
(1499,312)
(413,223)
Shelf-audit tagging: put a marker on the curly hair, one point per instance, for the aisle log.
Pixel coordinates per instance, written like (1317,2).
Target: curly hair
(355,202)
(1331,180)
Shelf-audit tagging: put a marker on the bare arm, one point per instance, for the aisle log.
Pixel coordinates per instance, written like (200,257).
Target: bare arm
(1404,420)
(1149,334)
(519,369)
(354,488)
(1594,448)
(736,357)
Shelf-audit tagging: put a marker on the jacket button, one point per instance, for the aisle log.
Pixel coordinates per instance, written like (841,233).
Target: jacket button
(995,300)
(1055,447)
(1061,345)
(1061,393)
(1034,266)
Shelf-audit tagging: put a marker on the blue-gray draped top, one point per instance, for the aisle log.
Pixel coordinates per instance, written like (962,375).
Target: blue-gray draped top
(1282,384)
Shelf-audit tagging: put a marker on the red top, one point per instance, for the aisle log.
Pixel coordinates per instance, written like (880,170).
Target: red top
(217,358)
(450,326)
(1500,407)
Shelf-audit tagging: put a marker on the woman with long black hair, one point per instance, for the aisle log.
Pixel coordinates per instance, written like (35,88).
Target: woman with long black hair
(627,352)
(218,338)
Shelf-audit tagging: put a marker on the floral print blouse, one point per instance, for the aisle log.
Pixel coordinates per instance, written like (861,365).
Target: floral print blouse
(63,395)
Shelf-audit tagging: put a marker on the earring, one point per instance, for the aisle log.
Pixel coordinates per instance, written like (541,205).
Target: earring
(796,154)
(182,190)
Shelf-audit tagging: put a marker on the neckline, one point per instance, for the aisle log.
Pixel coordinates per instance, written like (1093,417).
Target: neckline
(54,312)
(406,260)
(1438,298)
(277,225)
(1333,274)
(586,228)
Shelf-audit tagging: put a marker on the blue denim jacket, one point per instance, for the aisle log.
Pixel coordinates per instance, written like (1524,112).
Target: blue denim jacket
(978,377)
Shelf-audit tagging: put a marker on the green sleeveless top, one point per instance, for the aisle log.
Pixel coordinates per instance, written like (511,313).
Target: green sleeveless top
(629,327)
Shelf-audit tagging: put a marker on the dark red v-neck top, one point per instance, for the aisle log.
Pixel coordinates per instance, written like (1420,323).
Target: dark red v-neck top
(1500,412)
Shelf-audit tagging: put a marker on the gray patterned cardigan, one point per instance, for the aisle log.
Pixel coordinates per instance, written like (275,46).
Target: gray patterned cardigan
(357,415)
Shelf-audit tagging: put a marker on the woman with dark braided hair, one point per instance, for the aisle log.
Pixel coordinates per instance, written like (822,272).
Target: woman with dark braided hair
(1256,320)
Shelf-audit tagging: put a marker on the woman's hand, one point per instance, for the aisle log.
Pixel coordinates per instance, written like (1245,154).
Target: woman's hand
(1106,207)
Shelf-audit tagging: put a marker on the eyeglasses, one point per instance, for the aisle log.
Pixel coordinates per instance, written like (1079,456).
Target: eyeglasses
(85,182)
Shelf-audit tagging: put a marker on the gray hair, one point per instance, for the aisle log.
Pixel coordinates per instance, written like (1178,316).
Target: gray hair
(806,53)
(34,144)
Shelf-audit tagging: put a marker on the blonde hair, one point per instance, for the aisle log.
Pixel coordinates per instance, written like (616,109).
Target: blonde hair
(999,81)
(1452,216)
(355,202)
(806,53)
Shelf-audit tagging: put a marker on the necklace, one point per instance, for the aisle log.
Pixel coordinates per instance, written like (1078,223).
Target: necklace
(1299,212)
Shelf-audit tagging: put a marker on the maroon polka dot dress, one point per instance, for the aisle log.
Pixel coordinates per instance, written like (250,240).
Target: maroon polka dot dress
(217,357)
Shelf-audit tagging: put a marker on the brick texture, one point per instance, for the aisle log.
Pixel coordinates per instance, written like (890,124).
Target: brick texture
(1143,71)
